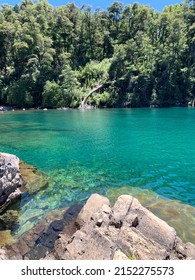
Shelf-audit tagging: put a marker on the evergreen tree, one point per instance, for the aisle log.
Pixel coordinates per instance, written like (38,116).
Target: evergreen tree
(52,57)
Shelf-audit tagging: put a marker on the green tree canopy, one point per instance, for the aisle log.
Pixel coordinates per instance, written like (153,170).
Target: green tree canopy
(52,57)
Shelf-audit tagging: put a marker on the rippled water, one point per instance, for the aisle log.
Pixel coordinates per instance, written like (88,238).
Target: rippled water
(95,151)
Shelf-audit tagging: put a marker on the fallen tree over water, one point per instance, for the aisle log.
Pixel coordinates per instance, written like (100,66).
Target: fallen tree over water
(83,104)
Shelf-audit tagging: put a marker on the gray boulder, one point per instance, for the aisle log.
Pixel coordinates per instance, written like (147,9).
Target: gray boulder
(10,180)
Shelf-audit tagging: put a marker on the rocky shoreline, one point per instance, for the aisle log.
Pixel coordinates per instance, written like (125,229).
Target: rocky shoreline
(95,231)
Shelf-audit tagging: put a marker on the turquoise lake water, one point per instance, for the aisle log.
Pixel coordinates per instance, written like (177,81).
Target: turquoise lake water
(98,150)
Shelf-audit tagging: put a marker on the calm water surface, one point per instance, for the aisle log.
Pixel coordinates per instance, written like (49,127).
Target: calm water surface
(95,151)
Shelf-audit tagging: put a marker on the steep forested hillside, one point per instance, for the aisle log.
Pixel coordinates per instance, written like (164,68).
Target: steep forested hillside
(52,57)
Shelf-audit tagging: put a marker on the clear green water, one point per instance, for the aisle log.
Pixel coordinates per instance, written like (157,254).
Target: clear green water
(98,150)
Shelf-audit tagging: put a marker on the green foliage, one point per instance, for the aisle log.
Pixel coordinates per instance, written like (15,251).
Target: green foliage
(95,73)
(51,93)
(52,57)
(18,94)
(64,92)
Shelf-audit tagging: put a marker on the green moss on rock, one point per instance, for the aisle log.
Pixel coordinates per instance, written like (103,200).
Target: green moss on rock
(34,179)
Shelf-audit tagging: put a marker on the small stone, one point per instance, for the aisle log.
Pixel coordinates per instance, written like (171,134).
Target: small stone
(118,255)
(132,220)
(180,256)
(106,209)
(57,226)
(190,251)
(3,254)
(99,222)
(180,250)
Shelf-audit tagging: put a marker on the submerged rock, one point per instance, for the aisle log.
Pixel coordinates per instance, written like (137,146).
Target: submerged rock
(33,179)
(5,238)
(9,218)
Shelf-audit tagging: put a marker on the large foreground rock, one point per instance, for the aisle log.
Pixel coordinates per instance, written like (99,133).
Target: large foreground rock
(125,231)
(99,231)
(10,180)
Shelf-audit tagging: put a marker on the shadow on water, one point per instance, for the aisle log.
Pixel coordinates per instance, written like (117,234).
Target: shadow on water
(45,241)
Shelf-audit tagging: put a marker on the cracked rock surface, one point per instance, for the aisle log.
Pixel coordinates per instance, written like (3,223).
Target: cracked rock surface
(99,231)
(125,231)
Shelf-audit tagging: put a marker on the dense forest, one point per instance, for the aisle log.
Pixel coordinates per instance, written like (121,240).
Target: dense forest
(52,57)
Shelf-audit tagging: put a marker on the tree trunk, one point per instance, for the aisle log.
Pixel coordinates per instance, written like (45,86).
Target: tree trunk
(83,102)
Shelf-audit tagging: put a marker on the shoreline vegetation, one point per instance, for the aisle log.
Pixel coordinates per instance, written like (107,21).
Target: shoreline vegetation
(86,107)
(69,56)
